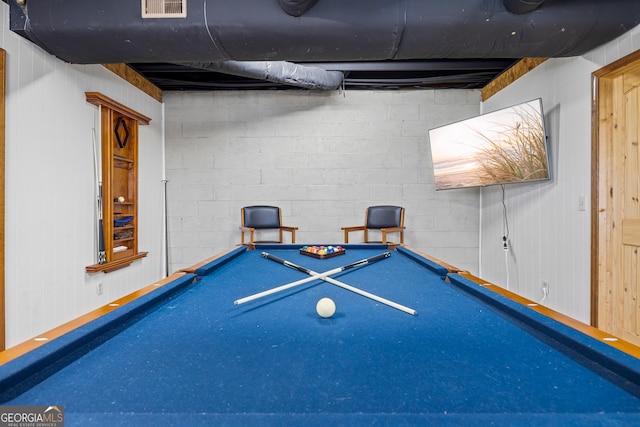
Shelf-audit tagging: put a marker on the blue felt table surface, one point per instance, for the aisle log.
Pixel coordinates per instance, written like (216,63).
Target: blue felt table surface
(276,359)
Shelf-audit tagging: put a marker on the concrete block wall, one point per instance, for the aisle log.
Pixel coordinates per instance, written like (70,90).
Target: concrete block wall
(323,157)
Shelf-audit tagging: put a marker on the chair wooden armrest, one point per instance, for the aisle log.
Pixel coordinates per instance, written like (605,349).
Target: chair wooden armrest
(347,230)
(384,232)
(291,230)
(392,229)
(249,230)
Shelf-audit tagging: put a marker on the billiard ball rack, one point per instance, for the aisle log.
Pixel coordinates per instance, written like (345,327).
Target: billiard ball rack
(322,252)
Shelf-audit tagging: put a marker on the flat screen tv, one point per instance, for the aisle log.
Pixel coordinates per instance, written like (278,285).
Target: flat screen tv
(504,146)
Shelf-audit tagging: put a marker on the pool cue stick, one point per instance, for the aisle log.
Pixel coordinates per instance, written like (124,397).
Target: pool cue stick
(369,295)
(346,267)
(308,279)
(344,285)
(102,254)
(166,229)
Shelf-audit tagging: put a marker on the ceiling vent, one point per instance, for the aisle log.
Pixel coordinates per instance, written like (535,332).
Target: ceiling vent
(164,8)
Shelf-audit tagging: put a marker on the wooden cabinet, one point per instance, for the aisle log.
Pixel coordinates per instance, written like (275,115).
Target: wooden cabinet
(119,153)
(121,195)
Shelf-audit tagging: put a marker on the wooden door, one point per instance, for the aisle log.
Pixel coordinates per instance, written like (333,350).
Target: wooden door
(616,225)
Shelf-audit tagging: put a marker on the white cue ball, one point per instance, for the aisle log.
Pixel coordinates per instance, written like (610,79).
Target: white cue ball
(326,307)
(121,199)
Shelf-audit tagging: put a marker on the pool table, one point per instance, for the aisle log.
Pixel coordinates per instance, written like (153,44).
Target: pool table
(185,354)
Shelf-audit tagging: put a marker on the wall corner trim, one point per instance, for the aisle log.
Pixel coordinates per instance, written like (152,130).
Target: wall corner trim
(510,75)
(136,79)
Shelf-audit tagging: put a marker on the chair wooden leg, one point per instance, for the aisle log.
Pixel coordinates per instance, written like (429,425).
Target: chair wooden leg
(346,236)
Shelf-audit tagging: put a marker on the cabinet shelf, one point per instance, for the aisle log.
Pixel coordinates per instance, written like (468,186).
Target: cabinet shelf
(122,162)
(115,265)
(124,227)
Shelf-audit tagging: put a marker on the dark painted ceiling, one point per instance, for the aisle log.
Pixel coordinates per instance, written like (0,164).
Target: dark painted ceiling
(354,44)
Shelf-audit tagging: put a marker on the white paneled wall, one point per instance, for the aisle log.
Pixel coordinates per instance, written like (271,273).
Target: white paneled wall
(549,235)
(323,157)
(50,189)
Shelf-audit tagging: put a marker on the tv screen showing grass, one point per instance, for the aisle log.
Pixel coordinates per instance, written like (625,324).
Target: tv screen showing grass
(504,146)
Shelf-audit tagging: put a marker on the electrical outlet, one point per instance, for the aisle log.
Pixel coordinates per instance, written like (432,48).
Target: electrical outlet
(581,203)
(545,287)
(99,288)
(545,291)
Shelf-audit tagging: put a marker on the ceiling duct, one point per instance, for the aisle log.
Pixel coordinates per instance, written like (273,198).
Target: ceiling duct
(522,6)
(278,72)
(296,7)
(98,31)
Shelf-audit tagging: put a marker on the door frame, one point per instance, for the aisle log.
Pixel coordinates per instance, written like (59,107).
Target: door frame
(3,62)
(601,127)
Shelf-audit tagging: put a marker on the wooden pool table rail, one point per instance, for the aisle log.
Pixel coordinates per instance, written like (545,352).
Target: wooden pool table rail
(38,341)
(33,343)
(591,331)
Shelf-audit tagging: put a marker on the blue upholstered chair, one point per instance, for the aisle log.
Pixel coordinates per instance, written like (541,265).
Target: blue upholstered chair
(385,218)
(263,218)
